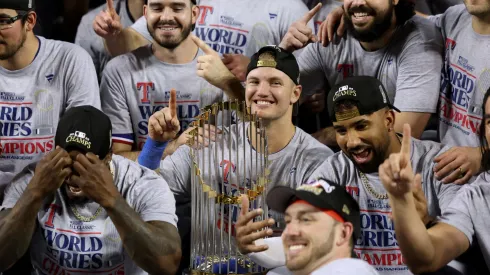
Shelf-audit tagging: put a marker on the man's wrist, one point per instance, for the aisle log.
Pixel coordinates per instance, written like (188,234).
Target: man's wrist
(111,202)
(152,153)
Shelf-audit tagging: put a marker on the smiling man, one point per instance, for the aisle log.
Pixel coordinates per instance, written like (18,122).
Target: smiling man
(137,84)
(384,40)
(322,222)
(364,119)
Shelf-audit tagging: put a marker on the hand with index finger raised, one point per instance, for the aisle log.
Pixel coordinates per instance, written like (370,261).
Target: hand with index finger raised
(164,125)
(211,67)
(299,34)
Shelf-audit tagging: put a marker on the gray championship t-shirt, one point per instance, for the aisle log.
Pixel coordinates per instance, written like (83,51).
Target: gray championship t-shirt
(62,244)
(465,78)
(291,166)
(469,212)
(94,44)
(409,66)
(241,26)
(377,244)
(137,84)
(32,100)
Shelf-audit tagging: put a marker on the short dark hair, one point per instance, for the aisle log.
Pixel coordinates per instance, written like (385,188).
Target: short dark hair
(344,105)
(485,161)
(404,10)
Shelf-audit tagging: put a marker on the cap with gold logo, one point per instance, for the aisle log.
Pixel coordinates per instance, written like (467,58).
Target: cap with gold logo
(277,58)
(321,194)
(367,92)
(85,128)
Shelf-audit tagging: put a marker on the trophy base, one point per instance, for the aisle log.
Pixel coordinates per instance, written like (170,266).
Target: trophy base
(225,266)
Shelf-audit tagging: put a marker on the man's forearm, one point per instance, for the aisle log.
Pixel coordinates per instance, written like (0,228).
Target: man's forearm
(17,228)
(234,89)
(155,249)
(411,233)
(126,41)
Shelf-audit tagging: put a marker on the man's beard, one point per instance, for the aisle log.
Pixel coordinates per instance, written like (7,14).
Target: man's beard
(379,156)
(171,43)
(478,11)
(379,27)
(11,50)
(317,252)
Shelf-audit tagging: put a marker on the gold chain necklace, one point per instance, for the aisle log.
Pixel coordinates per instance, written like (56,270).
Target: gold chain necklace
(370,188)
(98,211)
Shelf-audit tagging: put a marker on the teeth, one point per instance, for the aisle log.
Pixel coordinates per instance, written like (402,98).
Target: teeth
(260,102)
(360,14)
(74,189)
(168,29)
(296,247)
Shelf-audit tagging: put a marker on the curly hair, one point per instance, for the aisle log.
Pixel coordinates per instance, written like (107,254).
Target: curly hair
(404,10)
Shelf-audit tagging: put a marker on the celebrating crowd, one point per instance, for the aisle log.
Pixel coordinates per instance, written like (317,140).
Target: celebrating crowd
(375,113)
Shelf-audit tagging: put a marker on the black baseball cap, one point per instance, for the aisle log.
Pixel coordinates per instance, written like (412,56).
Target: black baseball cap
(368,92)
(85,128)
(321,194)
(19,5)
(275,57)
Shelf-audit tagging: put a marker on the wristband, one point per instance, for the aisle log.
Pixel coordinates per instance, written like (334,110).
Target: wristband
(152,153)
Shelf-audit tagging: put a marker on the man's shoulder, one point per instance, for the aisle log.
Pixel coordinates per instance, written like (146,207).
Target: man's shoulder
(454,14)
(309,144)
(63,50)
(428,148)
(419,30)
(126,61)
(129,173)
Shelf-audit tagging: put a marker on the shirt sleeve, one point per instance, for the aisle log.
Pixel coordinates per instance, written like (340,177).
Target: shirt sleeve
(82,84)
(114,103)
(153,200)
(176,170)
(141,27)
(84,38)
(14,190)
(458,213)
(419,73)
(436,19)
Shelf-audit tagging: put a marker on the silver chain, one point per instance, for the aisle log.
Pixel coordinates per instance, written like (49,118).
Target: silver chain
(370,188)
(98,211)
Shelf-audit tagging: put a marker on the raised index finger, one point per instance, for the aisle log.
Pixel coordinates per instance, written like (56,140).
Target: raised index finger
(405,150)
(203,46)
(173,103)
(110,7)
(309,15)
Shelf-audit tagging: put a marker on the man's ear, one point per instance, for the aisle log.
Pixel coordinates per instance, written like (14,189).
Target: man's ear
(195,13)
(390,119)
(31,19)
(296,94)
(346,230)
